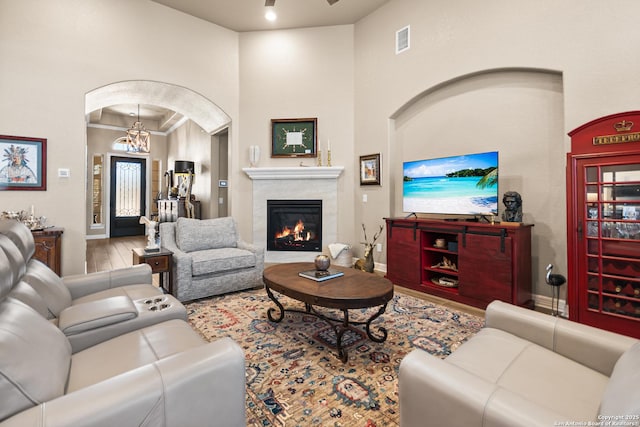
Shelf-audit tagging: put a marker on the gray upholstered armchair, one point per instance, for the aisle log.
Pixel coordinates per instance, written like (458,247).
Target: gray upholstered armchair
(210,258)
(525,369)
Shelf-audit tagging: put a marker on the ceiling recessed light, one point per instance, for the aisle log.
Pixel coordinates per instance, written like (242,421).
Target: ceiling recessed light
(270,14)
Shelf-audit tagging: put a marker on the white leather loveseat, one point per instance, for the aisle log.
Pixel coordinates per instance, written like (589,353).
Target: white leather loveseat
(159,375)
(525,368)
(88,308)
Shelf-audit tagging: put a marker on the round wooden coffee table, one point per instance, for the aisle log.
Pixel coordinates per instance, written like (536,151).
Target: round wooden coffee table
(354,290)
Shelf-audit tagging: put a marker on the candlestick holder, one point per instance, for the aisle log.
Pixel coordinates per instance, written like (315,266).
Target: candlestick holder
(319,158)
(328,157)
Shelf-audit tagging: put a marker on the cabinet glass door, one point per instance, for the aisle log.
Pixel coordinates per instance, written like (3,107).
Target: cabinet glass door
(609,214)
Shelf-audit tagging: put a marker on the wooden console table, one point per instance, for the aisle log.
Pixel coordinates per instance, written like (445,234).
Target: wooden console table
(48,247)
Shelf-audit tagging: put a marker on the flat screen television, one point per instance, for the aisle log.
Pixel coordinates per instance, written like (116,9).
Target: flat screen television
(458,185)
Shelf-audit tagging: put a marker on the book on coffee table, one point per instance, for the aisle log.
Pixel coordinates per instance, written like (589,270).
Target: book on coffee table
(321,276)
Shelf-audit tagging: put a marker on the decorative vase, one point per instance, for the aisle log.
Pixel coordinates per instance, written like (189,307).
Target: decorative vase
(254,155)
(322,262)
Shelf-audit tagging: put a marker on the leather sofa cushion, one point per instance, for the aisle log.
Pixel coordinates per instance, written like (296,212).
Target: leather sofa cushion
(144,346)
(134,292)
(49,286)
(221,260)
(20,236)
(622,395)
(96,314)
(34,360)
(196,235)
(533,372)
(22,291)
(12,255)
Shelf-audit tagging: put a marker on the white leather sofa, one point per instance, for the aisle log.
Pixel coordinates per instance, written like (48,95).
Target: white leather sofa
(88,308)
(210,258)
(160,375)
(524,368)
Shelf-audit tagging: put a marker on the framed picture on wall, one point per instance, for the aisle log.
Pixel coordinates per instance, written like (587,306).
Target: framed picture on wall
(23,165)
(294,137)
(370,169)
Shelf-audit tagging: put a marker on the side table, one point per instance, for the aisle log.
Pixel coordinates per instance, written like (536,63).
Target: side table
(161,262)
(48,247)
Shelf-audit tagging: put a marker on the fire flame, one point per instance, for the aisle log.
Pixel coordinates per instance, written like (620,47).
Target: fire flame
(298,232)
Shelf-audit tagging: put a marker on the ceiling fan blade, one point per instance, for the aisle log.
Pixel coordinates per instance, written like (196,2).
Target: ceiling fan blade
(269,3)
(332,2)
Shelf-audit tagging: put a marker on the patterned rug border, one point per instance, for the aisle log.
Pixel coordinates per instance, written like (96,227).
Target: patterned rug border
(294,376)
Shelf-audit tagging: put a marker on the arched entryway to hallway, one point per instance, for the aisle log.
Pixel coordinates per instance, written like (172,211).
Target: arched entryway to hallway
(191,104)
(205,126)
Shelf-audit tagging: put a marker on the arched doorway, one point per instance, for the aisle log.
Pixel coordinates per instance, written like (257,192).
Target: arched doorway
(191,104)
(206,122)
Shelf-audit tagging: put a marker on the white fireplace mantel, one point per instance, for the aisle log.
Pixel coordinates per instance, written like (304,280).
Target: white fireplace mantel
(295,172)
(283,183)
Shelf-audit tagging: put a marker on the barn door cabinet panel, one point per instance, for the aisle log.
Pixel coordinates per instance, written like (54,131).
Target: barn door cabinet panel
(467,262)
(603,218)
(403,252)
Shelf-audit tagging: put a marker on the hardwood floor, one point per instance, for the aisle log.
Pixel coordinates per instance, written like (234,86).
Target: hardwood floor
(109,254)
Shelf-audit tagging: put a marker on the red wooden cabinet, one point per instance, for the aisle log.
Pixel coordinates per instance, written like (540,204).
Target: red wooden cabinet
(603,218)
(468,262)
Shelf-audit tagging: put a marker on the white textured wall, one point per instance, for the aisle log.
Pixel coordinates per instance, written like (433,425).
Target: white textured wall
(297,74)
(54,52)
(584,42)
(190,142)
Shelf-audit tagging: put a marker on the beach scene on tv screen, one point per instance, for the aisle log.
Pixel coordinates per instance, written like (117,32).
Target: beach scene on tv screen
(466,184)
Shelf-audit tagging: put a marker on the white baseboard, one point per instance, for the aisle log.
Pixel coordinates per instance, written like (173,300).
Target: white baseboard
(95,236)
(382,268)
(544,302)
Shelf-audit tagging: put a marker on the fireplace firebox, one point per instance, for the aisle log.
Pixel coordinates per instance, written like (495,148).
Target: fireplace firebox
(294,225)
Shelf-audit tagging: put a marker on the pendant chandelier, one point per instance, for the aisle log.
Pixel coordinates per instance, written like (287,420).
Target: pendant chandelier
(138,138)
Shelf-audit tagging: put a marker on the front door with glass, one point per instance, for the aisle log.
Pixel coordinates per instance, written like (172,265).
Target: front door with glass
(127,196)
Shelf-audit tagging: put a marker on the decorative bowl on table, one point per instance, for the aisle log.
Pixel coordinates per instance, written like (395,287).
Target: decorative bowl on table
(322,262)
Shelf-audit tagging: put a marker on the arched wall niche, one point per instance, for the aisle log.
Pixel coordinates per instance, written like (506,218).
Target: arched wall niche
(196,107)
(517,111)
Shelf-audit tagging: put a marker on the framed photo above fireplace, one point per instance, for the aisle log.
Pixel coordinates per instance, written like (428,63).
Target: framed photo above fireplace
(23,164)
(294,137)
(370,169)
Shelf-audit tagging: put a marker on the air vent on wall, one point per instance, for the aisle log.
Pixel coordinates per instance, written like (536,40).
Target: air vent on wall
(402,39)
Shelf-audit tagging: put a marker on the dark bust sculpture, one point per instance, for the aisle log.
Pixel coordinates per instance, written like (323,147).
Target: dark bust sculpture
(513,207)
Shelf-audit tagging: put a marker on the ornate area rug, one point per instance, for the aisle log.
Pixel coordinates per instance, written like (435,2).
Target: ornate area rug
(294,376)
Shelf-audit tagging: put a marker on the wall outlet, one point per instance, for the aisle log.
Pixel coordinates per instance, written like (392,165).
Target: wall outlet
(364,198)
(379,247)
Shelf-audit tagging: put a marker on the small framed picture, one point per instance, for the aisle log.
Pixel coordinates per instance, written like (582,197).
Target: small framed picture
(24,163)
(294,137)
(370,169)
